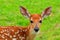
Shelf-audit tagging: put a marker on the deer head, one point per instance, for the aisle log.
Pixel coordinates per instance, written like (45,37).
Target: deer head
(35,19)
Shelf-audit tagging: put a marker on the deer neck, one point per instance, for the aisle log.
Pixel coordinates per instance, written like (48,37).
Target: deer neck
(32,34)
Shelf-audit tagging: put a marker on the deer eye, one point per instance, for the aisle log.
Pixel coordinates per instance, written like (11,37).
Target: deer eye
(31,21)
(40,21)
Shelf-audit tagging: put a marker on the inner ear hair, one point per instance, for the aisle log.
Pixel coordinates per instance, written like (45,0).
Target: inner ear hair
(24,11)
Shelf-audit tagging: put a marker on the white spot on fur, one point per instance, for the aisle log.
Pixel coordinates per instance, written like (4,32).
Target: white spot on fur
(25,30)
(23,37)
(14,39)
(7,34)
(1,31)
(13,30)
(19,35)
(5,30)
(2,36)
(10,36)
(17,32)
(14,35)
(5,39)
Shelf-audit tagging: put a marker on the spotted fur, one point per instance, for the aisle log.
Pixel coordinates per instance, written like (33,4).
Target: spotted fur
(13,33)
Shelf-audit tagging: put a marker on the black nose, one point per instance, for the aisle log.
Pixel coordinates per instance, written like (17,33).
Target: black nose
(36,29)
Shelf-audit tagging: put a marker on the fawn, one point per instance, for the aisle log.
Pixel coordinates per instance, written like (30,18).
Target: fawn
(27,33)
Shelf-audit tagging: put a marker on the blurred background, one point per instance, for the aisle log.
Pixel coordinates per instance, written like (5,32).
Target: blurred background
(10,16)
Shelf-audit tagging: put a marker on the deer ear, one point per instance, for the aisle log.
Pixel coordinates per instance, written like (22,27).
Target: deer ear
(46,12)
(24,12)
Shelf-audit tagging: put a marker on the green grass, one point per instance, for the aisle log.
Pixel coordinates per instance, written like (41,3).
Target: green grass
(10,16)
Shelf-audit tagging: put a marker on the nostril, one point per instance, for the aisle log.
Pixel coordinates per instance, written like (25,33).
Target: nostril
(36,29)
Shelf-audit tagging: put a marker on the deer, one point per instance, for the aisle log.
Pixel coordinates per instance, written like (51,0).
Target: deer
(24,33)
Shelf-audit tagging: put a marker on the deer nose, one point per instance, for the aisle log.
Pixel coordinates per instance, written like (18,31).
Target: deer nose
(36,29)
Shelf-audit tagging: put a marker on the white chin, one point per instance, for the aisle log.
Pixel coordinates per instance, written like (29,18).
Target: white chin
(34,32)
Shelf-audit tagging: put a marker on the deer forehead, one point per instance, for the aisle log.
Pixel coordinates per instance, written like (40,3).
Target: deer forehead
(35,17)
